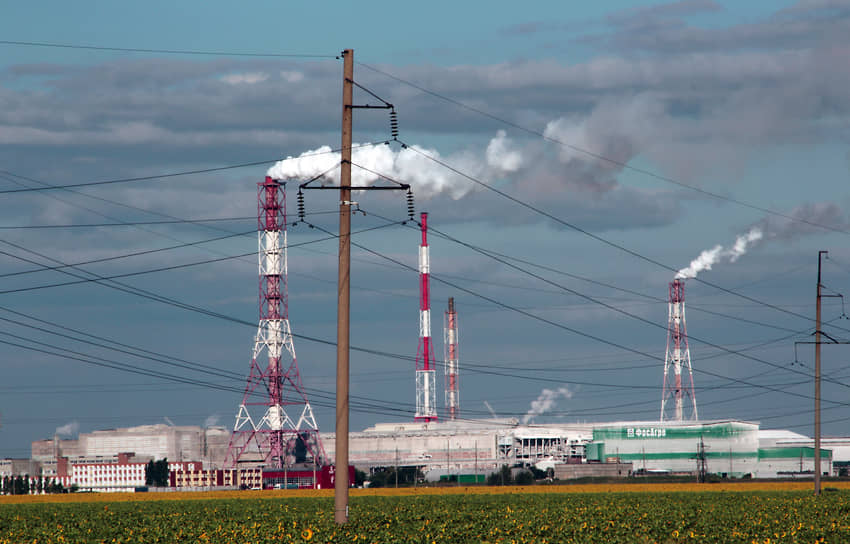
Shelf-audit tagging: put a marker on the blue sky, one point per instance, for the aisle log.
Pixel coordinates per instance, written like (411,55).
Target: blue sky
(705,103)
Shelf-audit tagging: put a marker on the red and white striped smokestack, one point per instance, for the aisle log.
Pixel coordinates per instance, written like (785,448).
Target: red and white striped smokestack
(450,358)
(426,409)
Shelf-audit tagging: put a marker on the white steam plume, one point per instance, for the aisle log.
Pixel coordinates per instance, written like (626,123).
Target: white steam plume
(69,429)
(545,402)
(405,165)
(804,220)
(710,257)
(211,421)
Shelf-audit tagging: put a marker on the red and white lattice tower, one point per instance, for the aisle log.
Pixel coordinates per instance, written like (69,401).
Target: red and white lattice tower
(450,357)
(426,406)
(677,361)
(275,426)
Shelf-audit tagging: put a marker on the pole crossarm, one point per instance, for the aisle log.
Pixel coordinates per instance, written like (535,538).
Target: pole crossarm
(832,340)
(399,186)
(359,188)
(386,106)
(811,342)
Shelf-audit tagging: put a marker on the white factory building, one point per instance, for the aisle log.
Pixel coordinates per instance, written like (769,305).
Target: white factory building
(175,443)
(730,448)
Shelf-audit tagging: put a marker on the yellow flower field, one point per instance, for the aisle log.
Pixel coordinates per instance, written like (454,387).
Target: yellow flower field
(750,486)
(763,512)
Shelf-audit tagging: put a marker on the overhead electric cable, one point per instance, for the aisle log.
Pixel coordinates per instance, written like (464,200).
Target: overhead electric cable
(126,223)
(96,278)
(172,174)
(597,156)
(597,237)
(565,327)
(167,51)
(591,299)
(44,268)
(501,257)
(374,351)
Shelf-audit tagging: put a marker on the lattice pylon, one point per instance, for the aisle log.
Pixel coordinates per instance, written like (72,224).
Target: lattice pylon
(677,361)
(274,414)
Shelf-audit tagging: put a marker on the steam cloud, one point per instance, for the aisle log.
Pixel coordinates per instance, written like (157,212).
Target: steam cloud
(406,165)
(211,421)
(805,217)
(710,257)
(69,429)
(615,129)
(801,221)
(545,402)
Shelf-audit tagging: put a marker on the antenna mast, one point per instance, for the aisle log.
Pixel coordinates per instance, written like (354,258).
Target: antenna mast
(275,413)
(677,359)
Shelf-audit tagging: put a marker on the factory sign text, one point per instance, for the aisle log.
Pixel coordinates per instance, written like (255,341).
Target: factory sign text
(646,432)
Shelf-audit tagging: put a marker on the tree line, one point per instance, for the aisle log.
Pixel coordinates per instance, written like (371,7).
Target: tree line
(24,485)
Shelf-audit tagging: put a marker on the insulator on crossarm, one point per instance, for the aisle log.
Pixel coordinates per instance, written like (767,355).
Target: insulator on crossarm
(394,124)
(411,210)
(300,205)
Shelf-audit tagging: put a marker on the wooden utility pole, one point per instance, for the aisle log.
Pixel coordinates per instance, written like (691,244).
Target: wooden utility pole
(341,476)
(817,379)
(343,296)
(818,336)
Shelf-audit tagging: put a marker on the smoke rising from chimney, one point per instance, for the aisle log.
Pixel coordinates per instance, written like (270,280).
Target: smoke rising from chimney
(211,421)
(545,402)
(405,165)
(69,429)
(718,253)
(828,214)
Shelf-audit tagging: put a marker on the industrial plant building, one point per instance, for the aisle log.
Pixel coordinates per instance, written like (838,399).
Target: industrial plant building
(728,448)
(175,443)
(114,459)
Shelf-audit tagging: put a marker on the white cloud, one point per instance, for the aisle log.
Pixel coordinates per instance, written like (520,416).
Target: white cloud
(248,78)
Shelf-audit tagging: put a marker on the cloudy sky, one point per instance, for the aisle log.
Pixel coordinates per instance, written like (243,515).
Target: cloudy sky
(572,162)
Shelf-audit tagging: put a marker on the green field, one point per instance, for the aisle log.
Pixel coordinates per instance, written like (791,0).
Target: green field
(716,516)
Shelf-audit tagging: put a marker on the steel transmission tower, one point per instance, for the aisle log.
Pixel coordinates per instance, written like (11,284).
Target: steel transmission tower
(677,360)
(450,357)
(275,413)
(426,406)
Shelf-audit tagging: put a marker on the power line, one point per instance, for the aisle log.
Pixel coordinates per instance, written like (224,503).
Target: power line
(374,408)
(97,278)
(500,257)
(396,356)
(170,174)
(127,223)
(597,237)
(167,51)
(435,94)
(44,268)
(608,384)
(586,297)
(576,331)
(597,156)
(488,372)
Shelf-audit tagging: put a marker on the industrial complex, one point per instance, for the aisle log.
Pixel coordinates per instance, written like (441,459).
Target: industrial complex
(113,460)
(275,441)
